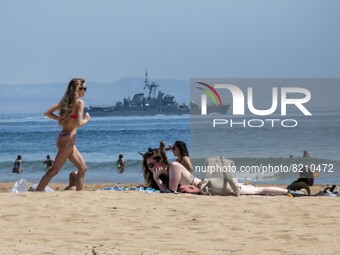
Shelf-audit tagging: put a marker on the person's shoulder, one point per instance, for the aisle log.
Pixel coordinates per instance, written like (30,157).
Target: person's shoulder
(80,101)
(80,104)
(175,164)
(187,158)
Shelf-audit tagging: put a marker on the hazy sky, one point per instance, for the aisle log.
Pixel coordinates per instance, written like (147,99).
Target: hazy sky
(53,41)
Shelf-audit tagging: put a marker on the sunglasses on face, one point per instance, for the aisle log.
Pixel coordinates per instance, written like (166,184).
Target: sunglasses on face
(83,88)
(174,147)
(151,165)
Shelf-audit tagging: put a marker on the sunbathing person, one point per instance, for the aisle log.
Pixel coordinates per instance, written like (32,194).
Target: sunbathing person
(305,180)
(72,183)
(180,150)
(165,176)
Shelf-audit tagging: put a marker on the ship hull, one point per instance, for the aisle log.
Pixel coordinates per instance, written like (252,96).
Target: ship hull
(140,112)
(211,109)
(145,111)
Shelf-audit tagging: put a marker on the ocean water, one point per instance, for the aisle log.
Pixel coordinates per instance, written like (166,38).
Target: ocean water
(101,141)
(274,153)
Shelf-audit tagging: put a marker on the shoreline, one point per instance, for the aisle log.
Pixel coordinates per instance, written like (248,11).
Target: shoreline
(5,187)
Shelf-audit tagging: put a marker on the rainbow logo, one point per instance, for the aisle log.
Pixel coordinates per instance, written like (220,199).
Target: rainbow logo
(209,92)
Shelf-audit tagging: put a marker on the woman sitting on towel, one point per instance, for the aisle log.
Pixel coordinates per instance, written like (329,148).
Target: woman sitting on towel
(168,176)
(180,150)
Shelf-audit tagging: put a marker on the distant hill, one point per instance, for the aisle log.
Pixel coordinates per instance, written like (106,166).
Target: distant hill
(38,97)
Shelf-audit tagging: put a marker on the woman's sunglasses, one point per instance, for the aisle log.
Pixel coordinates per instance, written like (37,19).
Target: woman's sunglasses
(150,165)
(174,147)
(157,159)
(84,88)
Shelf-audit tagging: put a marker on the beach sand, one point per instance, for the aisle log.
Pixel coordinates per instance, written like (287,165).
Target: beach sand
(131,222)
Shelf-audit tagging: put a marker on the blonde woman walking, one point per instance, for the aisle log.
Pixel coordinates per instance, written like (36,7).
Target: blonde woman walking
(70,117)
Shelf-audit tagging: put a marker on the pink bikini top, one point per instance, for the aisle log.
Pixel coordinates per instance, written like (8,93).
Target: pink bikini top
(74,116)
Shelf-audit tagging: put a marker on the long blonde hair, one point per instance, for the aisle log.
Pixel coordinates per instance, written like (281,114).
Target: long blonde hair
(68,103)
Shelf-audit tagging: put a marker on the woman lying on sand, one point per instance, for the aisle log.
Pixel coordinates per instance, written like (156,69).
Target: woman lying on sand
(168,176)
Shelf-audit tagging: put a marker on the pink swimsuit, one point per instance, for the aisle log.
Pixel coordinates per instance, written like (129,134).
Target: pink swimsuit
(66,133)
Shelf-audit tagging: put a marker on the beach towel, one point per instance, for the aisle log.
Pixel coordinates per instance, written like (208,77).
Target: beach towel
(140,189)
(220,177)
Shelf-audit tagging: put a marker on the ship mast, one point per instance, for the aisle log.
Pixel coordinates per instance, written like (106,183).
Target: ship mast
(152,87)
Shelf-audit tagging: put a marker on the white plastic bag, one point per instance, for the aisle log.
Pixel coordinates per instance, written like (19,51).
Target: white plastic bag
(20,186)
(47,189)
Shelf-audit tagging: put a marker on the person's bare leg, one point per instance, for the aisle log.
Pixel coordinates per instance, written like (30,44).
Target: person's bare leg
(79,162)
(272,191)
(252,190)
(233,184)
(65,145)
(304,191)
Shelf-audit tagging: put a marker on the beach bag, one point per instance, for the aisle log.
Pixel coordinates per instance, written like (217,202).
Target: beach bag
(220,178)
(190,189)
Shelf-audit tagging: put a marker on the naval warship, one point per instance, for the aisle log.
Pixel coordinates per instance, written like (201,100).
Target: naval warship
(152,105)
(142,106)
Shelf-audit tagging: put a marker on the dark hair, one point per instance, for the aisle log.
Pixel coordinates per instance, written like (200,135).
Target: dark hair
(182,147)
(158,154)
(19,157)
(48,157)
(308,181)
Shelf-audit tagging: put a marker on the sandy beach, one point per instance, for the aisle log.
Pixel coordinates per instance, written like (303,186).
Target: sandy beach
(132,222)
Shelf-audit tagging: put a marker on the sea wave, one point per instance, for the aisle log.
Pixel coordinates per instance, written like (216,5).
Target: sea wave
(38,166)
